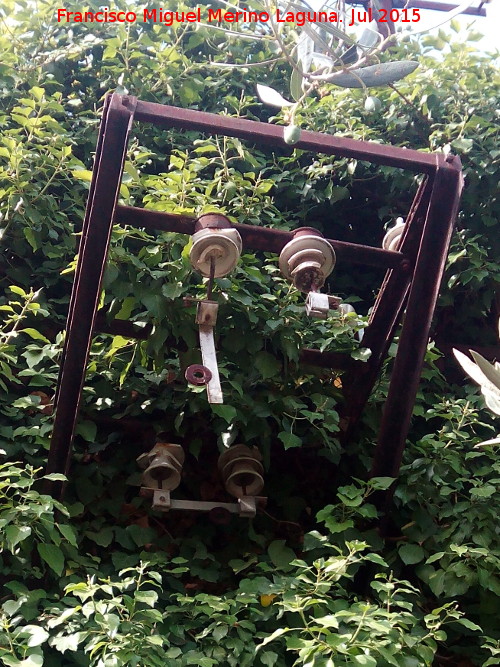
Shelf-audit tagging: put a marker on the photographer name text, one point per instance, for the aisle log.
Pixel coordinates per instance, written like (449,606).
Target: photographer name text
(208,15)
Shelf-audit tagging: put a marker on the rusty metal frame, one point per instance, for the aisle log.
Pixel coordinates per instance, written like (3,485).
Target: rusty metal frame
(412,278)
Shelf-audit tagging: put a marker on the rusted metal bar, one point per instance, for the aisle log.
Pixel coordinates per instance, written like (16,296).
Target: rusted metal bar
(335,360)
(256,238)
(385,315)
(441,7)
(272,135)
(490,352)
(124,328)
(424,290)
(115,126)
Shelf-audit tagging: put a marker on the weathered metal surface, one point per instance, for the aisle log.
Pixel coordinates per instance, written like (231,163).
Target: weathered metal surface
(92,254)
(272,135)
(415,270)
(422,299)
(245,507)
(124,328)
(256,238)
(209,357)
(386,314)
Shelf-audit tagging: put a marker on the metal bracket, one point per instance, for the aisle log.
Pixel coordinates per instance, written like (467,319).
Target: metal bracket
(206,317)
(246,506)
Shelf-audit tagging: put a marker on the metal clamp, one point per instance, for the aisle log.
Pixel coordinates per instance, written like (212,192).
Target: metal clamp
(246,506)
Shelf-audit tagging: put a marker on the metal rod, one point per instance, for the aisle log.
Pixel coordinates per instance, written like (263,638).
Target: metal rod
(266,133)
(256,238)
(415,332)
(115,127)
(211,279)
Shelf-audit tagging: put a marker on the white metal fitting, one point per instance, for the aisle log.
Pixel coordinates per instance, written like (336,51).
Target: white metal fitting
(162,466)
(307,260)
(393,236)
(241,470)
(317,305)
(206,312)
(222,246)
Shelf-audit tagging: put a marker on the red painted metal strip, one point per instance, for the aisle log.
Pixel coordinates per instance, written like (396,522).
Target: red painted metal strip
(92,259)
(265,133)
(256,238)
(385,316)
(422,299)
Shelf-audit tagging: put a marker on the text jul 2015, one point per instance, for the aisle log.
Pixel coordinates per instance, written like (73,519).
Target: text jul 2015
(168,17)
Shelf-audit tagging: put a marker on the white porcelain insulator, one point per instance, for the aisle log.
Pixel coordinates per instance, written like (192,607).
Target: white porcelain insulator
(222,245)
(242,471)
(163,466)
(393,236)
(307,261)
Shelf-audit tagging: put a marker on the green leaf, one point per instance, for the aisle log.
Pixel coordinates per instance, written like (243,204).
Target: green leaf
(267,365)
(82,175)
(365,660)
(381,483)
(68,642)
(296,87)
(329,621)
(289,439)
(55,477)
(280,554)
(87,430)
(374,75)
(18,290)
(36,335)
(411,553)
(68,533)
(269,658)
(53,556)
(227,412)
(436,582)
(469,624)
(35,634)
(277,633)
(485,491)
(16,534)
(102,537)
(147,597)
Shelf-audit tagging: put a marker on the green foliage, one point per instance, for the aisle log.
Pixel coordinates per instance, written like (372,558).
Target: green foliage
(104,580)
(140,619)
